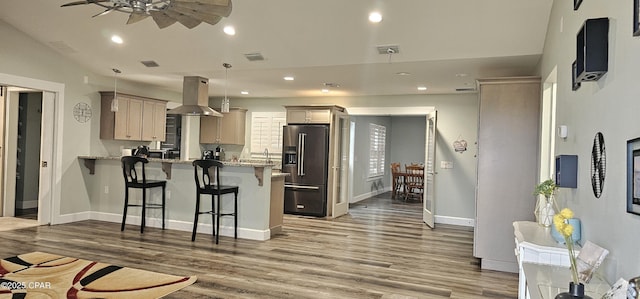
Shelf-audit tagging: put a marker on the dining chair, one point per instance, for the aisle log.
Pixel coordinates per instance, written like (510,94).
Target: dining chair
(397,180)
(414,181)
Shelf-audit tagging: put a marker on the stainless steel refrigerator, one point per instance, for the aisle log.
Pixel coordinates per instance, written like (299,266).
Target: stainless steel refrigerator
(305,152)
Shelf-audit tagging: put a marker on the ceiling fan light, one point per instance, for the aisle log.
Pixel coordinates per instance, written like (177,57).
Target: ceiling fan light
(117,39)
(229,30)
(375,17)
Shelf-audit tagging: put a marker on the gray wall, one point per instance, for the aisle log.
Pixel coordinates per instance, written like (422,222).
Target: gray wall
(610,106)
(407,139)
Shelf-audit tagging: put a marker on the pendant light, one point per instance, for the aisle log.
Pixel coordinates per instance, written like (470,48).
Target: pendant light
(225,101)
(114,101)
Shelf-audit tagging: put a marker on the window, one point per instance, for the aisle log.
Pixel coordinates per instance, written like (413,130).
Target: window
(377,137)
(266,132)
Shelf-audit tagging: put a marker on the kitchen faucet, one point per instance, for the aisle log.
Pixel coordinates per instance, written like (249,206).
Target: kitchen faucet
(266,154)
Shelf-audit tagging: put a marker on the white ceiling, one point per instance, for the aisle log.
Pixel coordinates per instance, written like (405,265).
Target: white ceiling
(329,41)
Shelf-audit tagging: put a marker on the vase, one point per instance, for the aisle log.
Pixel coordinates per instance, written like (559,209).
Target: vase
(544,211)
(575,291)
(576,235)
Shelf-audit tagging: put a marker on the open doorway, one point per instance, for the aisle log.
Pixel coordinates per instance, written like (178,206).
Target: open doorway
(27,140)
(48,196)
(418,145)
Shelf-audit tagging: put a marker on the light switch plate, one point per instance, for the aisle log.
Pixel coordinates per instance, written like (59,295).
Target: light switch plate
(446,164)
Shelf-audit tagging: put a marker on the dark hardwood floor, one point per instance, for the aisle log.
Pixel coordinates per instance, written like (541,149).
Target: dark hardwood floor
(380,250)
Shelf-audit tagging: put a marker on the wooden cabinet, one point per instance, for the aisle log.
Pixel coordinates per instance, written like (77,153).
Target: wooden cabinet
(507,173)
(154,118)
(308,115)
(137,118)
(229,129)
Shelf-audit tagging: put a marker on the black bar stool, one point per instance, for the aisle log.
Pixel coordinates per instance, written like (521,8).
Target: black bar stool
(203,171)
(131,180)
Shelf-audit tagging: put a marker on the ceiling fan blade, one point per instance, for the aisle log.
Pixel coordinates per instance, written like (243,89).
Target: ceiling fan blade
(136,17)
(199,15)
(203,7)
(84,2)
(108,10)
(162,19)
(185,20)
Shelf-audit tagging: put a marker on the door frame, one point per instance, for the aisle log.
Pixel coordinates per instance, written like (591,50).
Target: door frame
(425,111)
(49,200)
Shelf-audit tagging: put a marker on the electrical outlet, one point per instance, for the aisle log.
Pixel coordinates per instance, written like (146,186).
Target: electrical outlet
(446,164)
(106,189)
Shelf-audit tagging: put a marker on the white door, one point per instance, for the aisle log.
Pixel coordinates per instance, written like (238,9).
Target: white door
(341,168)
(428,202)
(3,93)
(46,157)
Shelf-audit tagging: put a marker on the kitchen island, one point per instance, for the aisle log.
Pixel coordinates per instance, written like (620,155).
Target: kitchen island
(259,210)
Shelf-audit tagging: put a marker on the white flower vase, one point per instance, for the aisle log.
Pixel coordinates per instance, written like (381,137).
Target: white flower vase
(544,211)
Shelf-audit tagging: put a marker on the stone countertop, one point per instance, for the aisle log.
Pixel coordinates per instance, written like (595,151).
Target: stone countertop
(166,164)
(248,163)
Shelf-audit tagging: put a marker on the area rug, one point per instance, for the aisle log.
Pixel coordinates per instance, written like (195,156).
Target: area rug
(44,275)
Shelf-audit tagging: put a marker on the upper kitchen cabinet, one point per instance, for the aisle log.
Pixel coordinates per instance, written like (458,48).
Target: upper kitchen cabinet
(137,118)
(154,119)
(308,115)
(229,129)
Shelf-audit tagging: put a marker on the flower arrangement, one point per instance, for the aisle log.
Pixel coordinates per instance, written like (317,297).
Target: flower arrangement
(561,222)
(545,208)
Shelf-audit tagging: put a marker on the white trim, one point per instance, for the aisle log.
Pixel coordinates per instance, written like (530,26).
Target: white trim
(424,110)
(75,217)
(364,196)
(455,221)
(203,228)
(53,215)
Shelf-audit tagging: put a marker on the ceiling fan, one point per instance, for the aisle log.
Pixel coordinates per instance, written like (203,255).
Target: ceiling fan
(189,13)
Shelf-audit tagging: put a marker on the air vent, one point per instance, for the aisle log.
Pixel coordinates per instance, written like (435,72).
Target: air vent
(465,89)
(62,47)
(254,57)
(334,85)
(150,63)
(389,49)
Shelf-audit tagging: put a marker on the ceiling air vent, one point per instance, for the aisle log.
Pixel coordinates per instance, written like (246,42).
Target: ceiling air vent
(254,57)
(463,89)
(150,63)
(389,49)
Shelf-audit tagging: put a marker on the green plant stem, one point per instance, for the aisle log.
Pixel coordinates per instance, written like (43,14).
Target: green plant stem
(572,258)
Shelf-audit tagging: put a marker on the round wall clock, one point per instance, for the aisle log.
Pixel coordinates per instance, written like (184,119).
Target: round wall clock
(82,112)
(598,164)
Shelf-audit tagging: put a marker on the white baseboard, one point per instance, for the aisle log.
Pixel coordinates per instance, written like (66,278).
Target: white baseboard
(68,218)
(455,221)
(204,228)
(369,194)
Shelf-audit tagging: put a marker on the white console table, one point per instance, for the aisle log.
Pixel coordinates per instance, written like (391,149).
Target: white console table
(543,264)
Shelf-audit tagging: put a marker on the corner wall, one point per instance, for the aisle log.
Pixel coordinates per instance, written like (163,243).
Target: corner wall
(610,106)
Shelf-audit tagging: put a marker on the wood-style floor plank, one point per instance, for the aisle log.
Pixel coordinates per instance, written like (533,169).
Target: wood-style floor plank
(380,250)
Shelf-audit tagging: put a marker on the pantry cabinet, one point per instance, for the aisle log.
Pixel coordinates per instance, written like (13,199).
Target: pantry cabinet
(137,118)
(229,129)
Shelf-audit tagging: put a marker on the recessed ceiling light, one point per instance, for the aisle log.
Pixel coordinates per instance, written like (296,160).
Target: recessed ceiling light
(324,90)
(422,88)
(244,92)
(288,78)
(375,17)
(116,39)
(229,30)
(403,73)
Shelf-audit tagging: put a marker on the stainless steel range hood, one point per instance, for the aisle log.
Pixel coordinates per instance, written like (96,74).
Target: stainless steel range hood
(195,98)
